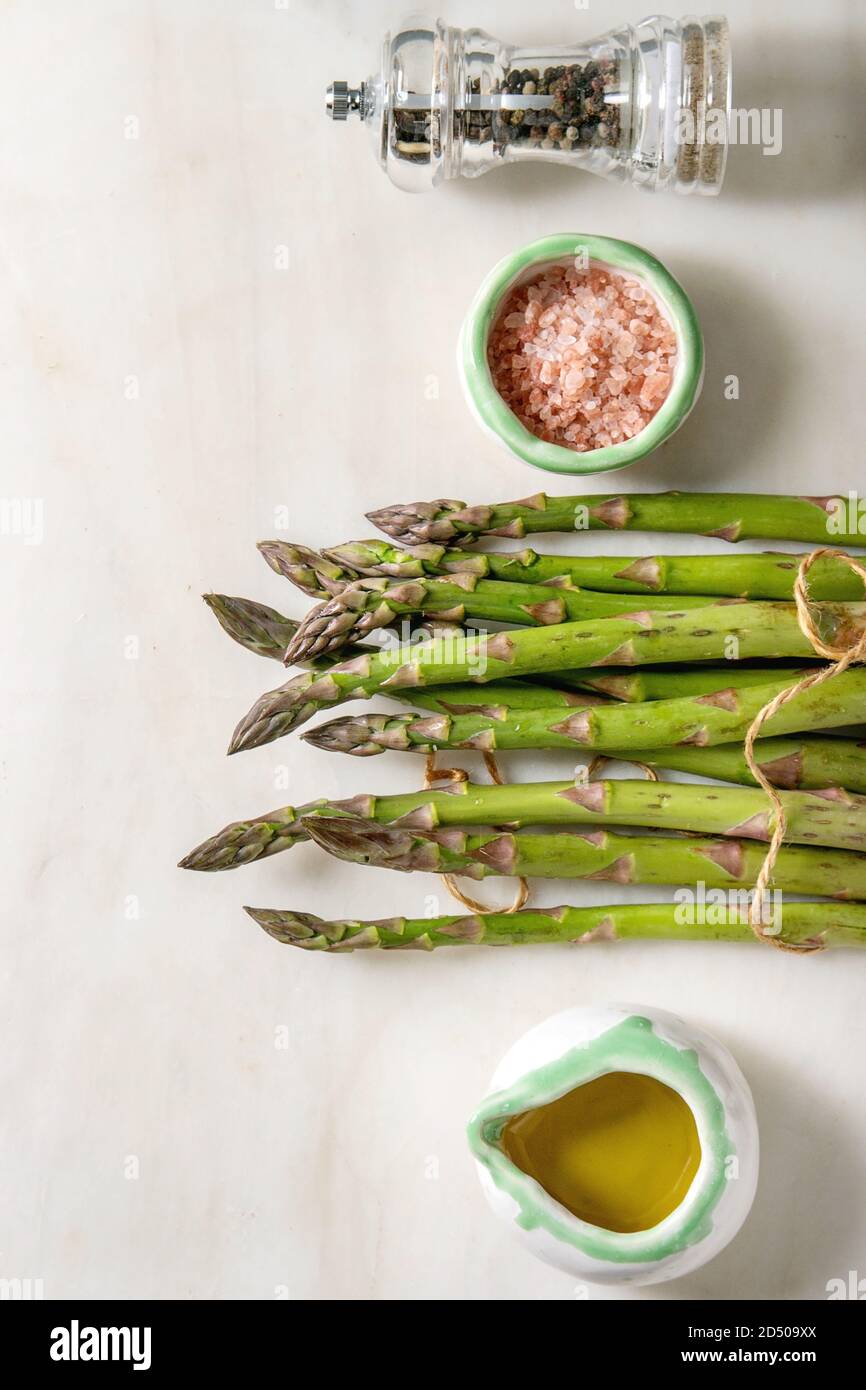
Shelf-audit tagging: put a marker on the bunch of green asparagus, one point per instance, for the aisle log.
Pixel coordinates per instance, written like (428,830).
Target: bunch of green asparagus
(664,660)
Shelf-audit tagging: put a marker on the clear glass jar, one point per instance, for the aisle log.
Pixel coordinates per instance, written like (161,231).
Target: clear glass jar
(647,103)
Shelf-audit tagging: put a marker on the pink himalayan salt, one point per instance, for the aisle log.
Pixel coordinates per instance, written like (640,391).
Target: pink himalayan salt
(584,357)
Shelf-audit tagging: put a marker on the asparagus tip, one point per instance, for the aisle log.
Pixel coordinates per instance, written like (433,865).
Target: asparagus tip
(348,735)
(208,855)
(239,739)
(299,648)
(245,735)
(360,841)
(307,569)
(418,523)
(272,549)
(344,836)
(288,927)
(257,726)
(218,606)
(204,856)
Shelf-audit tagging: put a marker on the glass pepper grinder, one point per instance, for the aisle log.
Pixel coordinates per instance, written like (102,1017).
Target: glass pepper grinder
(647,103)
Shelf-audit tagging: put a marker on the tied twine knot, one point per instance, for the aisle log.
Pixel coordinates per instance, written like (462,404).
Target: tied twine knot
(840,657)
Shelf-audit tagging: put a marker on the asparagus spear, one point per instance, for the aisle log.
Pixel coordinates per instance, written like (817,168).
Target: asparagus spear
(595,854)
(767,576)
(826,924)
(730,516)
(836,819)
(267,633)
(792,763)
(368,604)
(818,763)
(721,717)
(752,630)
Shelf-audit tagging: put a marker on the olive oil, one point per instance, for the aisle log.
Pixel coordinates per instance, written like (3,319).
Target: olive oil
(619,1152)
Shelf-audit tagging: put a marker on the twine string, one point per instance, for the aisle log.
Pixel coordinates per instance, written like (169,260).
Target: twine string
(434,774)
(601,761)
(840,658)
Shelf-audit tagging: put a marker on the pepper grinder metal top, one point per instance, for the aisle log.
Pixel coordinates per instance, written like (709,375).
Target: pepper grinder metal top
(340,99)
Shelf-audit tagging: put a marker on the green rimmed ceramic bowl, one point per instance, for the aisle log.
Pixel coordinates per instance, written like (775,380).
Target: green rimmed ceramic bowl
(502,424)
(584,1043)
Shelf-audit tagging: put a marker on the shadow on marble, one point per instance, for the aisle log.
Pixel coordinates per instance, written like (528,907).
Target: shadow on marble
(794,1239)
(723,443)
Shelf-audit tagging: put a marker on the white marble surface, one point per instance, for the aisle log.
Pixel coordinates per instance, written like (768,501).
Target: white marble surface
(166,389)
